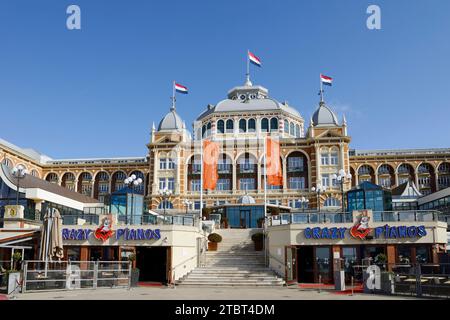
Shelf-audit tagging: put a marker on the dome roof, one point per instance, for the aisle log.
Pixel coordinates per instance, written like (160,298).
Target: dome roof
(246,199)
(324,116)
(171,121)
(249,98)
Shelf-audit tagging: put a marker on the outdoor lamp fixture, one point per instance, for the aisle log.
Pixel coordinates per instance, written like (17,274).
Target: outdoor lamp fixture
(303,202)
(165,194)
(19,172)
(342,178)
(187,204)
(132,182)
(319,189)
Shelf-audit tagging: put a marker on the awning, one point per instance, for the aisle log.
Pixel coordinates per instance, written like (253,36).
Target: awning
(9,239)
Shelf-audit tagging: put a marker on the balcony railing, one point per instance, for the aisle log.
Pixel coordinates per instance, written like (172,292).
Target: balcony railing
(345,217)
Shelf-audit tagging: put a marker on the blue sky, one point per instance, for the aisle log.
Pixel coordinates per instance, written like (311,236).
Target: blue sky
(95,92)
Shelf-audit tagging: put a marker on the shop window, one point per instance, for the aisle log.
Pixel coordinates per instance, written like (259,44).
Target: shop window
(404,254)
(422,254)
(73,253)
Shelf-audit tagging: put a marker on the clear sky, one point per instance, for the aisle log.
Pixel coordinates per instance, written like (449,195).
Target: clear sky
(95,92)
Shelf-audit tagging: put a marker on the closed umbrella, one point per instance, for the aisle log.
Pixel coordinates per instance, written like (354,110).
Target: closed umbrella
(56,243)
(51,237)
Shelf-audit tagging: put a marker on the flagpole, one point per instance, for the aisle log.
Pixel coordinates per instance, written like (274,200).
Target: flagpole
(248,67)
(321,89)
(265,199)
(201,177)
(173,95)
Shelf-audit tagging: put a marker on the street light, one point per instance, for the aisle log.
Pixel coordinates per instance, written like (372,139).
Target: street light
(342,178)
(304,202)
(187,204)
(132,182)
(19,172)
(319,189)
(165,194)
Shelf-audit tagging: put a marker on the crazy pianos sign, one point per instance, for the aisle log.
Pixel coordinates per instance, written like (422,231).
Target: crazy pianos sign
(362,230)
(105,231)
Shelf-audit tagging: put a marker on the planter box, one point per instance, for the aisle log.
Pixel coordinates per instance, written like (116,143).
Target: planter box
(258,245)
(134,277)
(212,246)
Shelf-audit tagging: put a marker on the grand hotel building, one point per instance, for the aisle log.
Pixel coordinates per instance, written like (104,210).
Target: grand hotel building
(311,153)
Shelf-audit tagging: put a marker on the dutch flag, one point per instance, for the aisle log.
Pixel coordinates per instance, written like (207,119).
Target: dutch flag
(326,80)
(254,59)
(181,89)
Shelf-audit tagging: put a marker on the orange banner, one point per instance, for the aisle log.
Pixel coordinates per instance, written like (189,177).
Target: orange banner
(210,161)
(273,170)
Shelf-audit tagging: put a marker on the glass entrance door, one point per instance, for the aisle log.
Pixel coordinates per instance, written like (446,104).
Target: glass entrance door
(245,218)
(323,265)
(291,264)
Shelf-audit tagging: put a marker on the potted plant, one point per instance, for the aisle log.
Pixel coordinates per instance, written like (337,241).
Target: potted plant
(258,239)
(381,259)
(134,271)
(214,239)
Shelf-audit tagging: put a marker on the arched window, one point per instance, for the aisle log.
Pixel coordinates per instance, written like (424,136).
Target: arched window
(264,125)
(86,176)
(34,173)
(297,131)
(7,162)
(286,126)
(103,176)
(166,204)
(230,126)
(292,129)
(242,125)
(332,202)
(220,126)
(203,130)
(52,177)
(251,125)
(273,124)
(208,128)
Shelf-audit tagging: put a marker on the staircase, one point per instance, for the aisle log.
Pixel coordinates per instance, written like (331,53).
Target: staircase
(235,263)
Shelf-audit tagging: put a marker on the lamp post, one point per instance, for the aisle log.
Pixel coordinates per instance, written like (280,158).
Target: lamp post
(187,204)
(318,190)
(19,173)
(165,194)
(304,202)
(132,182)
(342,178)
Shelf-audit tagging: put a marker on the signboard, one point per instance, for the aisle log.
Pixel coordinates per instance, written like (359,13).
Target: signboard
(105,231)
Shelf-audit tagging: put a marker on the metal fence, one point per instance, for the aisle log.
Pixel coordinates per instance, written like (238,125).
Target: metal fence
(72,275)
(418,280)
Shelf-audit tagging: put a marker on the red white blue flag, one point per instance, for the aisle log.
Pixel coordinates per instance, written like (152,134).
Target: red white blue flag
(254,59)
(181,89)
(326,80)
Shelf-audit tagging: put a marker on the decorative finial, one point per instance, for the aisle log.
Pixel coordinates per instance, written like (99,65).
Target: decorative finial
(344,120)
(153,126)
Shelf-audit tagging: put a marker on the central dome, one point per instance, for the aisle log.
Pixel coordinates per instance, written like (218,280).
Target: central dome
(249,98)
(246,199)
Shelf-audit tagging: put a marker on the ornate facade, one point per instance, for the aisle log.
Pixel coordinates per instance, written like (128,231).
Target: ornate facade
(309,155)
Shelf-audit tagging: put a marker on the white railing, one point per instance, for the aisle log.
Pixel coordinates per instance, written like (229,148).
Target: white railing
(72,275)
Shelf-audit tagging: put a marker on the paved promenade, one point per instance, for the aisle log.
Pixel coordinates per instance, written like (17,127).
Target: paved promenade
(187,293)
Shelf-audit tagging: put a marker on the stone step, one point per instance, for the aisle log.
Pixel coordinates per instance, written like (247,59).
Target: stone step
(230,280)
(232,276)
(231,284)
(233,273)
